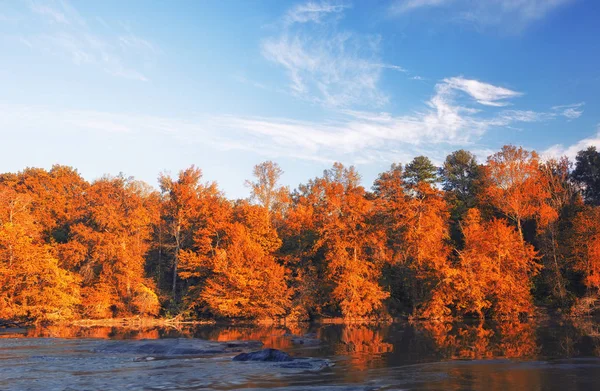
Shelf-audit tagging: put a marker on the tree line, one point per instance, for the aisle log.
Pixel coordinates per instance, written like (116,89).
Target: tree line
(491,240)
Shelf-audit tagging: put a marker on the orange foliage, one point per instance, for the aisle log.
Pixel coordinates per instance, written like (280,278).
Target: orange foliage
(463,341)
(586,246)
(32,285)
(116,247)
(352,250)
(245,280)
(515,185)
(114,238)
(494,273)
(363,344)
(414,219)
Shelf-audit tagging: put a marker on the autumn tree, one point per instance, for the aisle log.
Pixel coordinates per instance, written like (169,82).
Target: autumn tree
(494,276)
(351,251)
(32,284)
(179,212)
(204,241)
(414,216)
(586,247)
(552,218)
(514,186)
(244,280)
(230,267)
(57,199)
(109,248)
(391,203)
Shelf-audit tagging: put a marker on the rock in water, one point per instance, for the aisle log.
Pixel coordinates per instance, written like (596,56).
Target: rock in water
(270,355)
(174,348)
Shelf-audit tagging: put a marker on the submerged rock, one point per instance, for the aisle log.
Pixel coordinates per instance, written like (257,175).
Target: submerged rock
(306,340)
(171,348)
(270,355)
(280,359)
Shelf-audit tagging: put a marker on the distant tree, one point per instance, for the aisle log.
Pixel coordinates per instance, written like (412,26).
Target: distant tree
(587,174)
(266,189)
(420,170)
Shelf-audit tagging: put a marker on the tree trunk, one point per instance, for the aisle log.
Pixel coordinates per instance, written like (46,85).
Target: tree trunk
(176,261)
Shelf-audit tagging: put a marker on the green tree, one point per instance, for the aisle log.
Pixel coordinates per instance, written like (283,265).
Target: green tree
(587,174)
(460,176)
(420,170)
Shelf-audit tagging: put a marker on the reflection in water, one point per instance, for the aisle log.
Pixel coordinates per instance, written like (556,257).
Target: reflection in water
(363,344)
(276,337)
(558,354)
(481,341)
(462,342)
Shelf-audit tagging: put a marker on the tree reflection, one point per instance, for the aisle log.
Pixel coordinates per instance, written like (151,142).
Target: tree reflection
(481,340)
(276,337)
(363,344)
(99,332)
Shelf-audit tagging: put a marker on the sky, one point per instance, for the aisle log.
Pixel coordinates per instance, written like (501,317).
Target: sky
(140,87)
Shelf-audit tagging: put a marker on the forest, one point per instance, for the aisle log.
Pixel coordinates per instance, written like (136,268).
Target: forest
(502,239)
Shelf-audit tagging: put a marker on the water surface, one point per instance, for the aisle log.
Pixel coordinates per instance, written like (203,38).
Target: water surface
(548,355)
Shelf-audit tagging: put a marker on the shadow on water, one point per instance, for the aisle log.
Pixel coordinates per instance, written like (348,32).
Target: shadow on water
(550,354)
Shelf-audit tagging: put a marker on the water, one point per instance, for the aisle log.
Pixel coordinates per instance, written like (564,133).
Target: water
(548,355)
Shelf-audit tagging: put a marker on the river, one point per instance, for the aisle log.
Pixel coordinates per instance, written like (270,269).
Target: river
(533,355)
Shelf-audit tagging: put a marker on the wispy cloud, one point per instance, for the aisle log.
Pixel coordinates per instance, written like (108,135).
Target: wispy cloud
(447,120)
(511,15)
(52,13)
(572,111)
(410,5)
(60,30)
(313,12)
(524,116)
(326,65)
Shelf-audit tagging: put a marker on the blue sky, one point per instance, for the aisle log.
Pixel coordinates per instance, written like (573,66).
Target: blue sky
(145,87)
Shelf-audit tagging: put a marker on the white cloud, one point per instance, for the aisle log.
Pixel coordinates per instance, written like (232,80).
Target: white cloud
(570,151)
(484,93)
(63,32)
(333,68)
(572,113)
